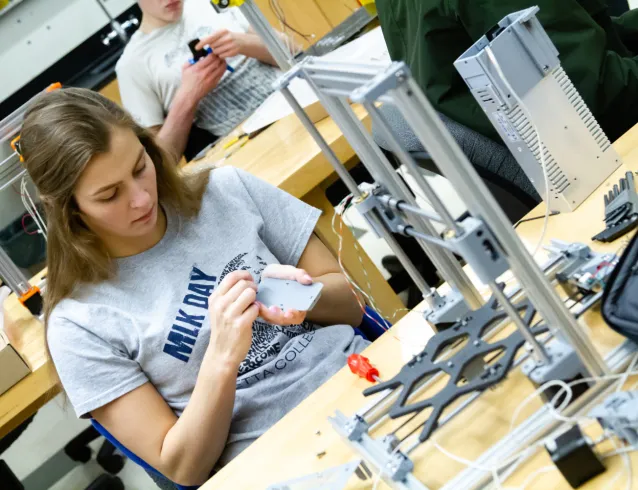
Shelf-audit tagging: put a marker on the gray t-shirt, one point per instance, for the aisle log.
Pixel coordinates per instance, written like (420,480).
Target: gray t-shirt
(150,323)
(149,72)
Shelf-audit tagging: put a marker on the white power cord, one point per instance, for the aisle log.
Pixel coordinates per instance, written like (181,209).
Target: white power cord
(623,380)
(539,391)
(490,55)
(532,476)
(340,211)
(518,458)
(626,463)
(31,208)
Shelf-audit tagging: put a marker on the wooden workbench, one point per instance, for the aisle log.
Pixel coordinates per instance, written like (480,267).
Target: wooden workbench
(289,449)
(27,336)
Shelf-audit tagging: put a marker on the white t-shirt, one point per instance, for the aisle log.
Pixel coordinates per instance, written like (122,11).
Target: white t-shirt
(150,70)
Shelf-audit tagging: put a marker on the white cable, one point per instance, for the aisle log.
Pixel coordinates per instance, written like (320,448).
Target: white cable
(622,450)
(470,464)
(588,380)
(490,55)
(532,476)
(31,208)
(534,395)
(515,459)
(627,464)
(518,458)
(339,211)
(351,281)
(627,373)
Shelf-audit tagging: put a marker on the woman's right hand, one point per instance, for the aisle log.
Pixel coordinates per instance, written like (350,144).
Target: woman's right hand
(232,311)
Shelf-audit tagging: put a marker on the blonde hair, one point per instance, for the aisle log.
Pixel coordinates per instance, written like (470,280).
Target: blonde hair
(62,131)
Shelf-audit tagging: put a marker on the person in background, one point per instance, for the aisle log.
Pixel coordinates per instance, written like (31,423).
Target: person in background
(151,314)
(597,51)
(167,94)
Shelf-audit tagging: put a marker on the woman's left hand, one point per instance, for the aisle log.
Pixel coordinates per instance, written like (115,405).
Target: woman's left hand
(274,314)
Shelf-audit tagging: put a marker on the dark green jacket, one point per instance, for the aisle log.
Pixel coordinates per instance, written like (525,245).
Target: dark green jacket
(596,51)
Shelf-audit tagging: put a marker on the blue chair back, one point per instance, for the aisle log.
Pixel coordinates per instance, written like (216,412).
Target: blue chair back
(160,479)
(372,326)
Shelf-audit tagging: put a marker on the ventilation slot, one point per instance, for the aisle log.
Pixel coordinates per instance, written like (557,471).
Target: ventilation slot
(484,95)
(583,111)
(525,129)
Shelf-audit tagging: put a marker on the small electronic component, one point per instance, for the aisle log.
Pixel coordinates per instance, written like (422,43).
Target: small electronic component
(574,457)
(288,295)
(621,210)
(619,414)
(198,54)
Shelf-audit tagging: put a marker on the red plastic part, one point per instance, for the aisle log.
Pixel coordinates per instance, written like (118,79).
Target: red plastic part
(361,366)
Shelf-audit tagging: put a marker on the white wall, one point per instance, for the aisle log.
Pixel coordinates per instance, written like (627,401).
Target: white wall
(36,33)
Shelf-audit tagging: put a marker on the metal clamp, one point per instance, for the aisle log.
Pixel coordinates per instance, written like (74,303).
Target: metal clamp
(369,201)
(478,246)
(619,414)
(563,363)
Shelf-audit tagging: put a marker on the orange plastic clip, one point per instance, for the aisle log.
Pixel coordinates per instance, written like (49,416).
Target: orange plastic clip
(15,144)
(53,86)
(30,293)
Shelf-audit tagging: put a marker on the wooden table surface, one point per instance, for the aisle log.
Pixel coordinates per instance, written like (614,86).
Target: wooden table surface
(285,154)
(26,397)
(289,449)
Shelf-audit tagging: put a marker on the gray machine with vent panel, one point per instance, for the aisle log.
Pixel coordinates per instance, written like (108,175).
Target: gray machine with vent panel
(578,154)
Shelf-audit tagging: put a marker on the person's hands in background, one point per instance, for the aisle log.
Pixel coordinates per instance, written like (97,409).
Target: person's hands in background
(201,77)
(224,43)
(274,314)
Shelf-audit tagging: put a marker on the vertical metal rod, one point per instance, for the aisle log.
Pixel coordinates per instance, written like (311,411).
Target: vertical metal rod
(13,156)
(341,171)
(406,208)
(378,402)
(12,180)
(382,171)
(444,260)
(413,169)
(267,34)
(449,157)
(117,27)
(14,278)
(538,351)
(350,183)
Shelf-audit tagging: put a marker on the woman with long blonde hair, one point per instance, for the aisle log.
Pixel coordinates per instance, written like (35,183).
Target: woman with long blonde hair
(150,310)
